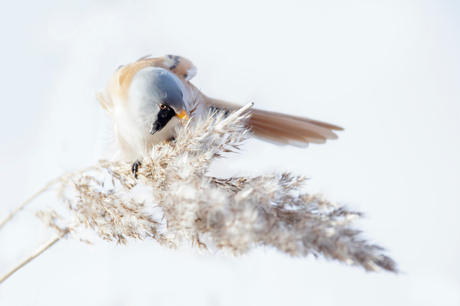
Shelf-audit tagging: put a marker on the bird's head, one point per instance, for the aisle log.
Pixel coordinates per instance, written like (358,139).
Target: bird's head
(156,96)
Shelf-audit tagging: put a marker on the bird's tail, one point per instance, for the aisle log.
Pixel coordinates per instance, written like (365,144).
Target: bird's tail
(283,129)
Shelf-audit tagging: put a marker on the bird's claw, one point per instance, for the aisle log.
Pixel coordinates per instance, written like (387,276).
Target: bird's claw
(135,167)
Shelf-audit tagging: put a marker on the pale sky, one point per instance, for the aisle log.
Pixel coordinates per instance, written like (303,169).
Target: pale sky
(387,71)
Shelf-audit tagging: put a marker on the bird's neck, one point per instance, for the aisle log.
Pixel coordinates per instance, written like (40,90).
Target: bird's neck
(134,138)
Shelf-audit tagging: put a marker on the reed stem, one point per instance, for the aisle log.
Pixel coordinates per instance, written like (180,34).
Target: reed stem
(26,260)
(17,209)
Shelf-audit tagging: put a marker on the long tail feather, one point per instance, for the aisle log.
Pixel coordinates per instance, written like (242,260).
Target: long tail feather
(283,129)
(296,131)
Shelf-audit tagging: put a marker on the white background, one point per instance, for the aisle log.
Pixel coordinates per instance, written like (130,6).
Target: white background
(387,72)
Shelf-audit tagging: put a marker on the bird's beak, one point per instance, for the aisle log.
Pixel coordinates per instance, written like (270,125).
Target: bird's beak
(182,115)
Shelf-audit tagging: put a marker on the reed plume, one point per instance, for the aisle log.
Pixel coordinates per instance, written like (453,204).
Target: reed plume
(234,215)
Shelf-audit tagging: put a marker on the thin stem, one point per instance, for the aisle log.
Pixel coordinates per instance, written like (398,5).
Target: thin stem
(26,260)
(15,211)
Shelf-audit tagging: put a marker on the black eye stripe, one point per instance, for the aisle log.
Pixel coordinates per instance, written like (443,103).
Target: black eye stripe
(163,117)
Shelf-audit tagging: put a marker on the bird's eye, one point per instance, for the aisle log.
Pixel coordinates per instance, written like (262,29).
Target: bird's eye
(162,106)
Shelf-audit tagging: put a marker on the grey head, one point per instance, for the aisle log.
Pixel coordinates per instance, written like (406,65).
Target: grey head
(158,97)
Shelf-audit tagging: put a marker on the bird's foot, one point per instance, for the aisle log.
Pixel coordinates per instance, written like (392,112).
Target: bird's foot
(135,167)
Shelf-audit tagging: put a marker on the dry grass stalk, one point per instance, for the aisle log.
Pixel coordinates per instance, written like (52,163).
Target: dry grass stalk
(17,209)
(48,186)
(26,260)
(234,215)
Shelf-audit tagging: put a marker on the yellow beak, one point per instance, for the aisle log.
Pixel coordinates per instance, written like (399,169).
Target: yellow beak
(182,115)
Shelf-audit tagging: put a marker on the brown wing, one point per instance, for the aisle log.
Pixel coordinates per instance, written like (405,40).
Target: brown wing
(180,66)
(284,129)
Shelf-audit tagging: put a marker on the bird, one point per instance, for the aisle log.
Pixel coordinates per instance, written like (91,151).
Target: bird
(147,99)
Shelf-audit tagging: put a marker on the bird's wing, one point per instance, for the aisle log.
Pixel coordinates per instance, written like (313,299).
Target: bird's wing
(283,129)
(180,66)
